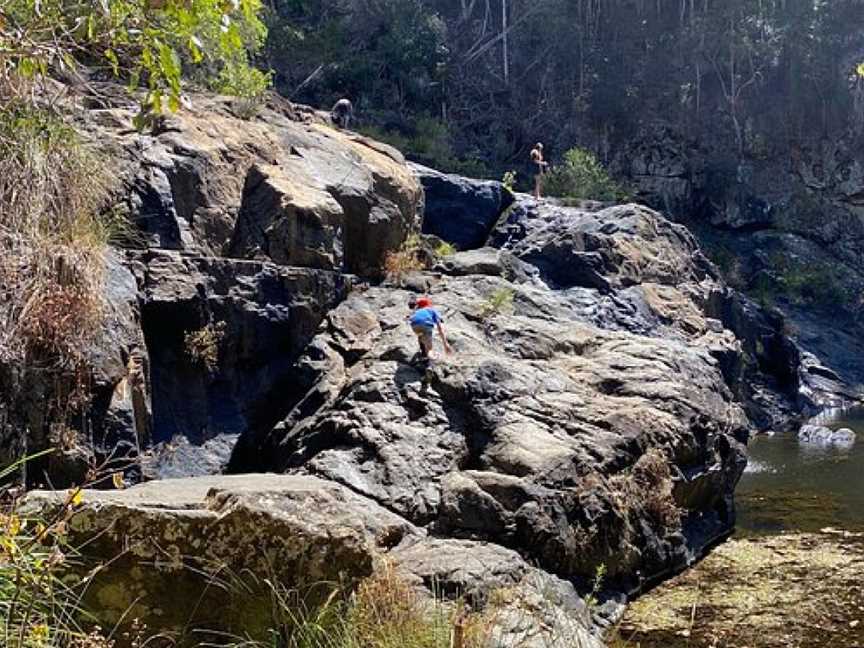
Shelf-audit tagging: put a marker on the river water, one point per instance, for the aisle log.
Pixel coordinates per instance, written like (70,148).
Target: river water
(790,486)
(792,575)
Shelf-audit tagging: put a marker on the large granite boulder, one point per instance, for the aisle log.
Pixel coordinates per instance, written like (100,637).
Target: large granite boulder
(283,186)
(578,426)
(460,210)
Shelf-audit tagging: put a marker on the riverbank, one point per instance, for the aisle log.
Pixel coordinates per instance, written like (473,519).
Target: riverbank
(778,591)
(793,574)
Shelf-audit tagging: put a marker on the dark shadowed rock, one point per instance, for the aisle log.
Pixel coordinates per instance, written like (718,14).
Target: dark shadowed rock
(267,314)
(460,210)
(119,419)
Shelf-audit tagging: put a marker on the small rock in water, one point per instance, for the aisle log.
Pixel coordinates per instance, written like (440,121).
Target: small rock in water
(824,436)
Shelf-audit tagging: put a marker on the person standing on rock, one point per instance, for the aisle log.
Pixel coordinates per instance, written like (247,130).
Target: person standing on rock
(341,113)
(424,320)
(541,164)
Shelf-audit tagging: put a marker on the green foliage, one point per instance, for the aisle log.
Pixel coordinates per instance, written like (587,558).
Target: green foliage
(430,142)
(202,346)
(39,599)
(500,301)
(445,249)
(816,285)
(581,177)
(147,41)
(592,600)
(509,181)
(247,83)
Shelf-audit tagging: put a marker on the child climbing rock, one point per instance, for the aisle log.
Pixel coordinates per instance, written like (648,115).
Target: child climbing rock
(424,320)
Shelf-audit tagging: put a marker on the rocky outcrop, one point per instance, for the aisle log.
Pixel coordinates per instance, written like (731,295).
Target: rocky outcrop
(281,186)
(244,233)
(786,226)
(819,435)
(460,210)
(590,422)
(223,338)
(580,422)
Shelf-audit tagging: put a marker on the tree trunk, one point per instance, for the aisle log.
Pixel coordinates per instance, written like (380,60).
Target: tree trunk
(505,42)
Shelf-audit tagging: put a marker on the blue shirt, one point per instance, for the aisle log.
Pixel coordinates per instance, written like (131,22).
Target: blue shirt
(425,317)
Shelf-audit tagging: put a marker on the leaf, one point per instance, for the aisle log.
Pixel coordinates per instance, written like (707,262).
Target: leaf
(860,69)
(195,49)
(117,480)
(76,497)
(112,59)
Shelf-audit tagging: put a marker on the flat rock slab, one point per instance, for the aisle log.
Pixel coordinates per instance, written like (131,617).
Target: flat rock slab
(180,552)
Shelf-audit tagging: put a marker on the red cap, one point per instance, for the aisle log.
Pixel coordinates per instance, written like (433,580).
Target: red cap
(424,302)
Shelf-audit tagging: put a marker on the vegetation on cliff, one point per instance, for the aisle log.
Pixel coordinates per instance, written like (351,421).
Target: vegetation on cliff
(496,75)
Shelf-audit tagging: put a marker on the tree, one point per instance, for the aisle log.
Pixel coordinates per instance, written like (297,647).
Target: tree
(140,40)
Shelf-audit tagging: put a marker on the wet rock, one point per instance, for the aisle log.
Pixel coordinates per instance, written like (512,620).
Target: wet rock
(461,210)
(825,436)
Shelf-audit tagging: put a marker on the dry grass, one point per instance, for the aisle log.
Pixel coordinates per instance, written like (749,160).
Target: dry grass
(202,346)
(404,261)
(52,241)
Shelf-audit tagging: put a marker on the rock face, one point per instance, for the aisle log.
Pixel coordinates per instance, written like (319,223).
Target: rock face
(590,420)
(460,210)
(578,416)
(266,315)
(249,230)
(280,187)
(787,227)
(120,412)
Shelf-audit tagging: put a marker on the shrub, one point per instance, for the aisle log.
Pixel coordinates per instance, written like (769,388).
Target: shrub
(382,611)
(445,249)
(39,598)
(509,181)
(245,83)
(582,177)
(429,141)
(405,260)
(498,302)
(202,346)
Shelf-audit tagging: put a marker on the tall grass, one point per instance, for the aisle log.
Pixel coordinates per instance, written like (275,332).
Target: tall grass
(52,190)
(39,600)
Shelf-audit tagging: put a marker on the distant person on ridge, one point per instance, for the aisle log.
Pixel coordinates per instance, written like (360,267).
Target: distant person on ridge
(537,159)
(424,320)
(341,113)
